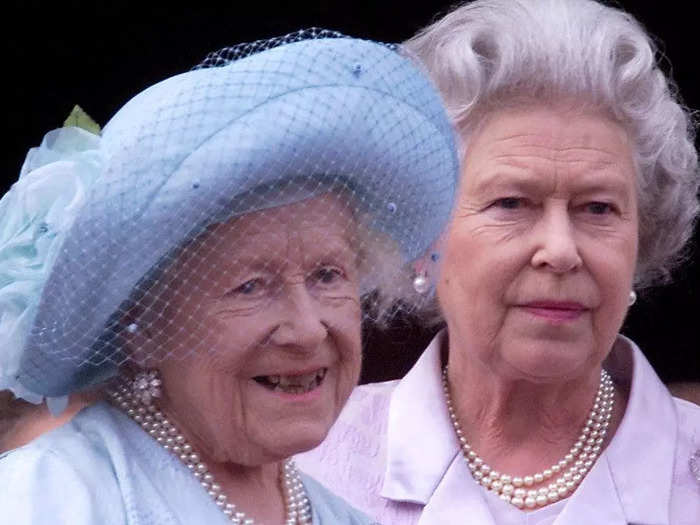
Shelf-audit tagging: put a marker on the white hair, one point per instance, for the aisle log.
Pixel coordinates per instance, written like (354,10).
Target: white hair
(492,52)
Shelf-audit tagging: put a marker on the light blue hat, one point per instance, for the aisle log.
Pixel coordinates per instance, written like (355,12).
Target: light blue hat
(216,142)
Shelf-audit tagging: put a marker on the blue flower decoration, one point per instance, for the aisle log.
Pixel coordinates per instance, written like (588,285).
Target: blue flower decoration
(34,217)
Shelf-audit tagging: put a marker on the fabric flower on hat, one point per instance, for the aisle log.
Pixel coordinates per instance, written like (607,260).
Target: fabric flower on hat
(34,216)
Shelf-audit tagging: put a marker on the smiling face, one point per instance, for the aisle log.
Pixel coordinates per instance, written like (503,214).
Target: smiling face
(275,296)
(540,255)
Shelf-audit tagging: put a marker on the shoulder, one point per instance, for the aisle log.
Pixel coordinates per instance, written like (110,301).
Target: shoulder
(688,418)
(362,421)
(685,499)
(61,466)
(368,403)
(688,413)
(352,459)
(330,509)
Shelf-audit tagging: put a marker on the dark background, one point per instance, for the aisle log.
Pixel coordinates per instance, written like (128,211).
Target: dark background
(99,56)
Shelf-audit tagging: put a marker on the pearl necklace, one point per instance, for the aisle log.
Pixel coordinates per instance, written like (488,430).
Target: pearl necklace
(155,423)
(537,490)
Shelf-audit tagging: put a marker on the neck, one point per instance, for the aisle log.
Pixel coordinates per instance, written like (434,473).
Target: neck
(254,489)
(518,426)
(257,488)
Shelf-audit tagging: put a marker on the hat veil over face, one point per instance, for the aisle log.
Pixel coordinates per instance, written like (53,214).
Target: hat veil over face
(283,124)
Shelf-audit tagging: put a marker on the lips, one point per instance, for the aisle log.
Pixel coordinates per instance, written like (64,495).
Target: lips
(293,383)
(560,311)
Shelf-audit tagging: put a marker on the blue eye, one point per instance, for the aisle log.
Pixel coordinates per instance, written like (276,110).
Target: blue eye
(509,203)
(599,208)
(248,287)
(327,274)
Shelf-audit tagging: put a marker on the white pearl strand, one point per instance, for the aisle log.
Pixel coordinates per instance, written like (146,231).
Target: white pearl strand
(570,470)
(155,423)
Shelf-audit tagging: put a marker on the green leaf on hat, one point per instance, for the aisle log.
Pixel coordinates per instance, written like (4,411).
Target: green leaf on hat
(79,119)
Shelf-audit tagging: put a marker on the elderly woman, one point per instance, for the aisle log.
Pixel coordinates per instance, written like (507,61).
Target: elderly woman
(206,262)
(578,189)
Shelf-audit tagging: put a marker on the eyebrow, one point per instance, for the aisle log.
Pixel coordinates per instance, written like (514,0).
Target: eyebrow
(598,176)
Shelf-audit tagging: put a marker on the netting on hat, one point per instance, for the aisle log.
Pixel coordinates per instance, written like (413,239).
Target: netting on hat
(253,201)
(229,54)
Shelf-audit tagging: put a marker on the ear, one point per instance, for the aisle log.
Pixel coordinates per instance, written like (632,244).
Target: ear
(428,263)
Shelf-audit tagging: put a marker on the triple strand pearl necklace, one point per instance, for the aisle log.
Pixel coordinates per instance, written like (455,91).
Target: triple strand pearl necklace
(155,423)
(538,489)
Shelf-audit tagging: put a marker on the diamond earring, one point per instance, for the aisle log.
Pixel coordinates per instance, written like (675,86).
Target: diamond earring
(146,386)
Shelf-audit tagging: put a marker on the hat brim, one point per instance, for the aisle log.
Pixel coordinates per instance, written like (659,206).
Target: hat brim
(396,155)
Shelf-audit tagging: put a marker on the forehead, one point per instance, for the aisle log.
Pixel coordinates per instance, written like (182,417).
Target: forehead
(322,224)
(544,143)
(330,213)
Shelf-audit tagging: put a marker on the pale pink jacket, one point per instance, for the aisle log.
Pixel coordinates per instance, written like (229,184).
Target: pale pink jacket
(393,454)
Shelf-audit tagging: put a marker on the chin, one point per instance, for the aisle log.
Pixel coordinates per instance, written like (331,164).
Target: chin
(547,362)
(298,438)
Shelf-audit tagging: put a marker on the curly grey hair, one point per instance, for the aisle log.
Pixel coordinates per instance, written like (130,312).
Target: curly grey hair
(492,52)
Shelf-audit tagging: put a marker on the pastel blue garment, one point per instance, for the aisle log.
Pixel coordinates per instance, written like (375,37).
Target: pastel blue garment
(101,468)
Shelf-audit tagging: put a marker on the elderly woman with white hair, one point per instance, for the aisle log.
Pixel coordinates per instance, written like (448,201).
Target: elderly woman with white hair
(579,183)
(206,262)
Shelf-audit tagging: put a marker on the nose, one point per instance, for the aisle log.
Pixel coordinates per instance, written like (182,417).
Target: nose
(301,325)
(556,247)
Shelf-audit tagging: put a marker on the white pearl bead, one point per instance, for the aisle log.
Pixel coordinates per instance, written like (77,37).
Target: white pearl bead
(518,502)
(421,284)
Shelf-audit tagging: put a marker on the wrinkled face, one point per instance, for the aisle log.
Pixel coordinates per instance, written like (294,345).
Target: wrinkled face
(275,296)
(540,255)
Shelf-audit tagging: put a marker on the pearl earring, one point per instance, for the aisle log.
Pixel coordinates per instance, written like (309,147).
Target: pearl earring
(146,386)
(421,283)
(633,298)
